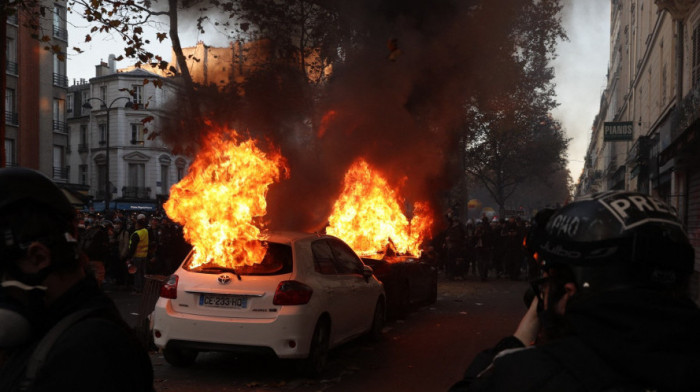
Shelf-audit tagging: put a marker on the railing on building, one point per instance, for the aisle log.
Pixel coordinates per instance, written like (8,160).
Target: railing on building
(11,67)
(60,126)
(136,192)
(60,33)
(60,173)
(60,80)
(684,115)
(11,118)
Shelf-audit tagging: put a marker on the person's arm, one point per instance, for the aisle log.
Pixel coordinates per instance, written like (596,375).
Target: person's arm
(133,243)
(524,336)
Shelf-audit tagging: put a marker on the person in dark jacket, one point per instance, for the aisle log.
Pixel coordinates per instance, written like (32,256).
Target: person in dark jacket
(611,311)
(76,340)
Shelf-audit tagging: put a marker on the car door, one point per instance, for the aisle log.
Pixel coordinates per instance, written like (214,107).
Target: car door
(362,298)
(336,289)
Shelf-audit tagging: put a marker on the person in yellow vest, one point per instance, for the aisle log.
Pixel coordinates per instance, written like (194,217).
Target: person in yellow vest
(138,252)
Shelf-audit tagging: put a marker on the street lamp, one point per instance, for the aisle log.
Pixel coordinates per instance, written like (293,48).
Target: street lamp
(86,105)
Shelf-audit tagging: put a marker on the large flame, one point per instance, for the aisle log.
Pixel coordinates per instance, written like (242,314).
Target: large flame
(222,199)
(368,215)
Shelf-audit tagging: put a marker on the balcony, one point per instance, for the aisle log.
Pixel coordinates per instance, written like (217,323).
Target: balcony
(12,118)
(60,127)
(60,80)
(60,173)
(136,192)
(60,33)
(12,67)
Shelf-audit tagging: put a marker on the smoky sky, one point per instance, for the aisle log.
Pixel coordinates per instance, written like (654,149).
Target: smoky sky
(401,114)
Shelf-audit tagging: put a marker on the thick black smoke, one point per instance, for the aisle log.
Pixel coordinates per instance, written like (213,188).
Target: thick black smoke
(399,110)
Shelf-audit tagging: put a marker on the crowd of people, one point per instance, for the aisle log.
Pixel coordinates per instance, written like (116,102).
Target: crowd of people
(123,246)
(485,248)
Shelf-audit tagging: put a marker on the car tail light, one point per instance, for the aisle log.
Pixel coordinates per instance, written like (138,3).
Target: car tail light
(291,292)
(169,289)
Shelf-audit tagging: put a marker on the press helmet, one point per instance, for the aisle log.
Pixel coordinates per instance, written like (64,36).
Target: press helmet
(614,238)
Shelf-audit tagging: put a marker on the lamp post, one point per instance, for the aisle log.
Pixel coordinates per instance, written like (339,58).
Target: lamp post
(108,191)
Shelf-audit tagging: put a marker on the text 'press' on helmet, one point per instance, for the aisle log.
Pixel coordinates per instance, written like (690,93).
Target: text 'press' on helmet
(617,238)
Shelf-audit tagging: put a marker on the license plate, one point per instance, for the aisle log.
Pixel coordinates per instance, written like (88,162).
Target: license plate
(223,301)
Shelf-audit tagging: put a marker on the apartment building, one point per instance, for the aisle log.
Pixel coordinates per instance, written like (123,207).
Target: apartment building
(112,152)
(646,135)
(35,93)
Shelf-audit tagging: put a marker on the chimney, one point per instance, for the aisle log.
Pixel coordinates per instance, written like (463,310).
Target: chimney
(102,69)
(112,63)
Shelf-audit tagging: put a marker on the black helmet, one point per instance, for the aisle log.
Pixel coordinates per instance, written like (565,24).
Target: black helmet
(615,238)
(22,187)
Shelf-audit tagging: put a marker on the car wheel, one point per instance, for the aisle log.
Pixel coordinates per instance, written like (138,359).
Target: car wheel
(376,332)
(314,364)
(179,357)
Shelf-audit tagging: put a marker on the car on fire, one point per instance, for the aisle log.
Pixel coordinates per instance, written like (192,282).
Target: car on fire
(408,282)
(309,294)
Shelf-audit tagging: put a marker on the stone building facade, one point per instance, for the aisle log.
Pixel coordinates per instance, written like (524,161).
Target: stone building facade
(653,91)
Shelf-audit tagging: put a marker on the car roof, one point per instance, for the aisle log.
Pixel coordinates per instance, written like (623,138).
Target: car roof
(287,237)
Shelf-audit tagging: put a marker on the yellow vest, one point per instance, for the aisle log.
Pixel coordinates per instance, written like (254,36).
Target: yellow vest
(142,246)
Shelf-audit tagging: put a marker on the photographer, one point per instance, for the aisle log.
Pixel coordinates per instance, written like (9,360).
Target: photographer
(611,311)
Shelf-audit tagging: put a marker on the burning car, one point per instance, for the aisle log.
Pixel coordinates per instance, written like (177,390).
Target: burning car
(309,294)
(408,282)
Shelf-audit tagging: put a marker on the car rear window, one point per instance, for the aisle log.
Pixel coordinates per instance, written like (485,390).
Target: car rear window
(277,261)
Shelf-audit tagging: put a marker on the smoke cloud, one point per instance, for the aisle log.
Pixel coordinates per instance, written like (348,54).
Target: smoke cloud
(400,110)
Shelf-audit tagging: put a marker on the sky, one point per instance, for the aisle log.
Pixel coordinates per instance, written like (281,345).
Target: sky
(580,68)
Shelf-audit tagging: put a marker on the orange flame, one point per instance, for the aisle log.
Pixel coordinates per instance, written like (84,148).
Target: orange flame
(222,199)
(368,215)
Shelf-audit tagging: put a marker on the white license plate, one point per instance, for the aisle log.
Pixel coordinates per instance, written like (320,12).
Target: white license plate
(223,301)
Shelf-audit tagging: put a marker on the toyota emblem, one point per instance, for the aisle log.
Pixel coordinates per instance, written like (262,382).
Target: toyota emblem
(224,279)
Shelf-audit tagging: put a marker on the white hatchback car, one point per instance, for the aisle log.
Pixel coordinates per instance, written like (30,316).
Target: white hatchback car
(309,294)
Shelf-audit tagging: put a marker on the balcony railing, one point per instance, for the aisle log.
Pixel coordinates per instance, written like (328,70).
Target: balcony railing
(60,126)
(12,67)
(60,173)
(136,192)
(60,33)
(60,80)
(11,118)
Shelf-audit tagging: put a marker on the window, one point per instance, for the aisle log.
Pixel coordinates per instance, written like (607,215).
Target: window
(11,53)
(59,110)
(83,174)
(103,93)
(323,258)
(59,70)
(59,30)
(10,111)
(346,261)
(83,134)
(137,175)
(138,94)
(59,163)
(696,55)
(10,153)
(85,95)
(136,133)
(101,178)
(180,173)
(102,128)
(69,103)
(164,179)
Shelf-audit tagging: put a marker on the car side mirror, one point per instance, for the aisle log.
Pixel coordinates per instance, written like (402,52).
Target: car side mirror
(367,272)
